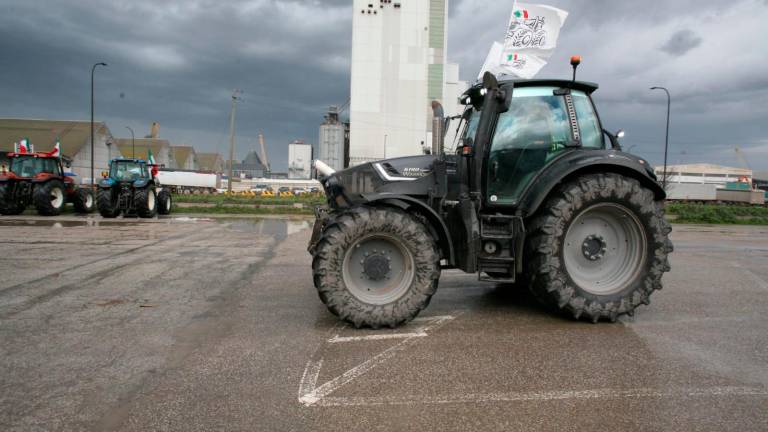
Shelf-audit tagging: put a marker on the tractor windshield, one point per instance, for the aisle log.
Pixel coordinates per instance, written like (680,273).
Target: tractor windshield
(469,121)
(31,166)
(127,171)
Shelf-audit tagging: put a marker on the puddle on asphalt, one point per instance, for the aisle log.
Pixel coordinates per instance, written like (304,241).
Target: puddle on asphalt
(278,228)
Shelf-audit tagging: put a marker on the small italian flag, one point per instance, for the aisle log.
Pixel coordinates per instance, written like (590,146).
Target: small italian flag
(56,149)
(522,13)
(512,57)
(150,157)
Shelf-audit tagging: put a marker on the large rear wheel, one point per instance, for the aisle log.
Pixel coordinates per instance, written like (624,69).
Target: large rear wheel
(146,202)
(598,248)
(376,267)
(49,198)
(164,202)
(107,203)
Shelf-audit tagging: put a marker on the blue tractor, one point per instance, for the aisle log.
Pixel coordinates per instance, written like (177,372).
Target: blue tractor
(131,187)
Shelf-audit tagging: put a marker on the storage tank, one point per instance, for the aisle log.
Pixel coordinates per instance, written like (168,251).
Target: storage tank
(331,142)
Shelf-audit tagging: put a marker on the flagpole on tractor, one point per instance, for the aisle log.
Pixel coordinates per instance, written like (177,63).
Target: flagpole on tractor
(666,144)
(93,175)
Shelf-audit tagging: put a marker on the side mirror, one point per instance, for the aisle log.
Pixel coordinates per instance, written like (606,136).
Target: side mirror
(614,138)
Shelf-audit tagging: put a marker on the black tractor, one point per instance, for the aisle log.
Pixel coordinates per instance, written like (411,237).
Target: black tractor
(537,194)
(130,187)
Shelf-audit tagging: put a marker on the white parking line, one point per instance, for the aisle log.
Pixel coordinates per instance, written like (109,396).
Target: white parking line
(547,396)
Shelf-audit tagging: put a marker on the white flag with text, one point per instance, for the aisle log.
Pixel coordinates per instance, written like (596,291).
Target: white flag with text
(534,29)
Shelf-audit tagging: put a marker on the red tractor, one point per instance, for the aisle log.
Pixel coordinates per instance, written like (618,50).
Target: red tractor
(38,179)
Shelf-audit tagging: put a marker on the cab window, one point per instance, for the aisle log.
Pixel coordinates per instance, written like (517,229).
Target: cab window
(531,133)
(589,126)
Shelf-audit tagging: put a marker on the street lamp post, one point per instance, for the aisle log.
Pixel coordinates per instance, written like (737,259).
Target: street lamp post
(666,144)
(133,142)
(93,172)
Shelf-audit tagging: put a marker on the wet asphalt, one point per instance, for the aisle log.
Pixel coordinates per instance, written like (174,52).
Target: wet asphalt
(198,325)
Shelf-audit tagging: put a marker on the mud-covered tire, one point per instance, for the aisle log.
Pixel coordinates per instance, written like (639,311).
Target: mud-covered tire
(146,202)
(164,202)
(7,206)
(106,202)
(84,201)
(548,254)
(49,198)
(338,241)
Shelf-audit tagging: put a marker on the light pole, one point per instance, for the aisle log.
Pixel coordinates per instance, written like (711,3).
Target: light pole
(666,144)
(133,142)
(93,172)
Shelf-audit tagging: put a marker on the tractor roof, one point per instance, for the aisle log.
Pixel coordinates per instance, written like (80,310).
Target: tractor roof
(141,161)
(586,87)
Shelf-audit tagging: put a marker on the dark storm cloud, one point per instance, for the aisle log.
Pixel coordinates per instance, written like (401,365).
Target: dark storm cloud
(177,62)
(681,42)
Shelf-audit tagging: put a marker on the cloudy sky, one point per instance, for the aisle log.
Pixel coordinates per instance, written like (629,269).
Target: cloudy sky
(177,62)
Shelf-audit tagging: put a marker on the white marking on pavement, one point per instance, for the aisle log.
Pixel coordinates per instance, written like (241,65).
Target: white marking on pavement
(419,332)
(337,339)
(310,394)
(544,396)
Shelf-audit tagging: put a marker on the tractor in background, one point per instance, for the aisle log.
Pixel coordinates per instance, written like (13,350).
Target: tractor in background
(131,187)
(38,179)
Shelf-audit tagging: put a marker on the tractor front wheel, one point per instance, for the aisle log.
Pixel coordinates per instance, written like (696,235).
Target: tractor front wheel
(107,204)
(146,202)
(83,201)
(598,248)
(49,198)
(376,267)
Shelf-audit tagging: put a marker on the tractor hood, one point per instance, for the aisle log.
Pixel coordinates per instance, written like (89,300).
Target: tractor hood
(412,175)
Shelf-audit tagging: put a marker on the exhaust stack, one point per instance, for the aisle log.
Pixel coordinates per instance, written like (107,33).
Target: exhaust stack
(324,169)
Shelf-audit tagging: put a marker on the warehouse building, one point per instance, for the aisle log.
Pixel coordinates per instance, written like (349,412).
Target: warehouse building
(184,158)
(210,162)
(160,148)
(75,138)
(704,174)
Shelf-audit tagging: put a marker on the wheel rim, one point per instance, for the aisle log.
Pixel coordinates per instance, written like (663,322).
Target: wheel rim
(88,201)
(151,200)
(57,197)
(378,269)
(168,204)
(605,249)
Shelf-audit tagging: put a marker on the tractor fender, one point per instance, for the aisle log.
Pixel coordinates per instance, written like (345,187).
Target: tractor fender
(406,202)
(586,162)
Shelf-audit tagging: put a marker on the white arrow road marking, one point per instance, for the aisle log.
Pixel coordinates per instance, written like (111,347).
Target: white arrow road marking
(310,394)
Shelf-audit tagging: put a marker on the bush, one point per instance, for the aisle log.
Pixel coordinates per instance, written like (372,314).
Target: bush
(718,214)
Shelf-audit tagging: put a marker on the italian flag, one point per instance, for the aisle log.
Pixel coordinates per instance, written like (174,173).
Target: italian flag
(512,57)
(522,13)
(150,157)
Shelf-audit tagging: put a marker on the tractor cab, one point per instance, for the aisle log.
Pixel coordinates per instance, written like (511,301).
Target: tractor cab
(128,171)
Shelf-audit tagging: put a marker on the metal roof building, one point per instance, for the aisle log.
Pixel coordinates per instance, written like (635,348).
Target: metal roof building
(75,138)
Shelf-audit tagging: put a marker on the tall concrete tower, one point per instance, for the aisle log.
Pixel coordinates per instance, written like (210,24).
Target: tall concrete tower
(398,68)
